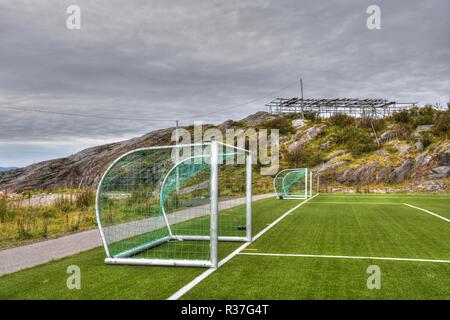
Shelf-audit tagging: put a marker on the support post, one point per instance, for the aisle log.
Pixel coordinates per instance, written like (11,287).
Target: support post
(248,196)
(310,183)
(318,183)
(306,183)
(214,202)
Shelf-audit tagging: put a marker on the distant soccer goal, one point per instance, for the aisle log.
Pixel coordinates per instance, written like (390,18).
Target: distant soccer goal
(299,183)
(170,205)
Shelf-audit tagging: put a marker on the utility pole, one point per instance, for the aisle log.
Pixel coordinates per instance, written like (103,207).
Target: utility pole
(301,91)
(301,87)
(177,159)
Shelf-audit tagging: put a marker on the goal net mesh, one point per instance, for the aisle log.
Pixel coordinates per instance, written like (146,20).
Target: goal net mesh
(155,203)
(292,183)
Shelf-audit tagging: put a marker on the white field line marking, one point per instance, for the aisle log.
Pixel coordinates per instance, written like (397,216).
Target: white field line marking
(380,195)
(350,202)
(427,211)
(205,274)
(339,257)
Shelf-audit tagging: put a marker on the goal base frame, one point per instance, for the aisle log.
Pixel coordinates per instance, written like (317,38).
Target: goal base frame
(123,258)
(160,262)
(126,257)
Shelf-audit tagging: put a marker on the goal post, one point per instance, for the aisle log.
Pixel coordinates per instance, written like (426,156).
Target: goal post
(170,205)
(295,183)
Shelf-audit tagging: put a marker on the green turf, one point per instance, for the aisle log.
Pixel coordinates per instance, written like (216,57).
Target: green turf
(335,225)
(359,230)
(100,281)
(256,277)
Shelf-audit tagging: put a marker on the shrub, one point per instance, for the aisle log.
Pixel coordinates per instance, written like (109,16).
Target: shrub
(402,117)
(424,116)
(85,199)
(46,215)
(341,120)
(23,227)
(308,156)
(311,115)
(284,124)
(63,204)
(441,125)
(426,138)
(3,207)
(355,139)
(368,123)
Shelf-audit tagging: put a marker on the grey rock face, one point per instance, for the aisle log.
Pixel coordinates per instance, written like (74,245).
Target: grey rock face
(443,158)
(423,159)
(405,150)
(389,135)
(440,172)
(257,118)
(82,169)
(336,154)
(403,172)
(330,165)
(298,123)
(308,135)
(363,174)
(420,129)
(419,146)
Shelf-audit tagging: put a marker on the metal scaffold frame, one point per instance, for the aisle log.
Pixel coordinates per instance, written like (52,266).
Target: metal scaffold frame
(364,108)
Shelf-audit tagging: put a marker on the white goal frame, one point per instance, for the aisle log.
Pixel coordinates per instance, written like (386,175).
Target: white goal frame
(213,238)
(308,188)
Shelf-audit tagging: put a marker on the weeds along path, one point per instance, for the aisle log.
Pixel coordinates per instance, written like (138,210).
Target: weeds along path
(15,259)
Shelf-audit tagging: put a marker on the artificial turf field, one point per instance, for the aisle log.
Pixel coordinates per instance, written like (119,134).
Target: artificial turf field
(321,250)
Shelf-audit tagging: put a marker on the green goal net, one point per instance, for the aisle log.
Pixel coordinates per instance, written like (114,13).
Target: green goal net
(170,205)
(296,183)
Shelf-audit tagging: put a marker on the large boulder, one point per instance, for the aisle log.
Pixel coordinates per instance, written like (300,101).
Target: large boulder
(440,172)
(402,172)
(298,123)
(389,135)
(443,154)
(362,174)
(308,135)
(420,129)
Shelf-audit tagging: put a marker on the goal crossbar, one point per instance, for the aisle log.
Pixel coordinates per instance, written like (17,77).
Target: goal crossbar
(171,181)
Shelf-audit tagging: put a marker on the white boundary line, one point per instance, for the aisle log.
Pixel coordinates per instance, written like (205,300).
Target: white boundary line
(427,211)
(205,274)
(383,195)
(350,202)
(339,257)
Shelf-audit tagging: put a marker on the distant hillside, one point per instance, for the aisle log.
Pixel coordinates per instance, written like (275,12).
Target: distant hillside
(7,168)
(409,151)
(84,169)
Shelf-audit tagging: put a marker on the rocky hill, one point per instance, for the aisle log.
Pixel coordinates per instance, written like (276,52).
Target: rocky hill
(409,151)
(84,169)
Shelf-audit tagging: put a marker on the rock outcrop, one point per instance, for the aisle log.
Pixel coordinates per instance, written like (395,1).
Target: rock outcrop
(81,170)
(427,171)
(305,137)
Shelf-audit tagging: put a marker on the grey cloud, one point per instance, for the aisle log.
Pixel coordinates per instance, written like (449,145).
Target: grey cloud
(188,59)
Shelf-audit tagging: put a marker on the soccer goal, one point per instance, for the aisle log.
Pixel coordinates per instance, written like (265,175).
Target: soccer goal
(170,205)
(297,183)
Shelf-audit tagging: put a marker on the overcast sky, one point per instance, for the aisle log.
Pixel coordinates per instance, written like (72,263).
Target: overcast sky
(203,60)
